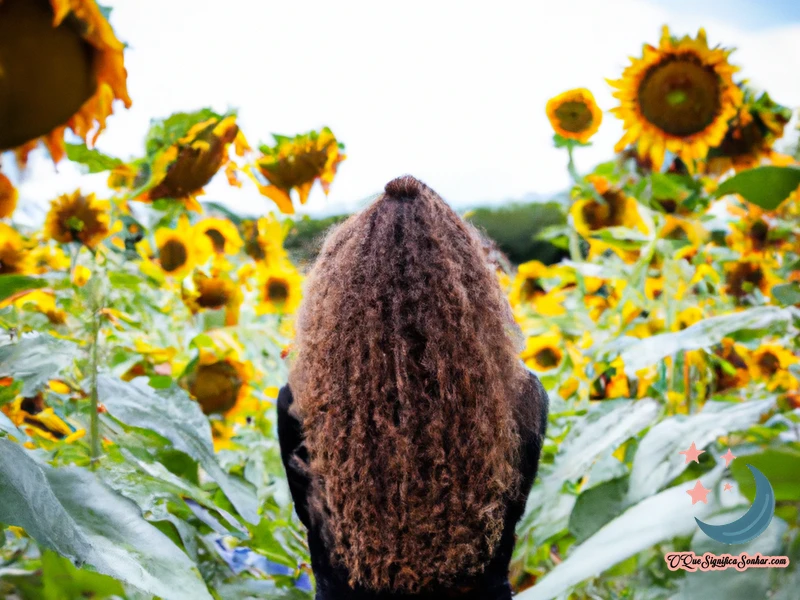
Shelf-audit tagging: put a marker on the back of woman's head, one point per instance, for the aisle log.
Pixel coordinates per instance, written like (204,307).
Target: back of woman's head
(407,380)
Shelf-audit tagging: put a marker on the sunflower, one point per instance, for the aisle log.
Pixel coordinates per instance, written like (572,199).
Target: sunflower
(677,97)
(543,353)
(214,293)
(574,115)
(744,276)
(264,240)
(757,232)
(182,169)
(78,218)
(612,383)
(48,257)
(224,236)
(219,378)
(177,250)
(528,289)
(617,209)
(280,288)
(41,421)
(78,63)
(730,364)
(8,197)
(683,230)
(14,258)
(296,163)
(770,362)
(750,136)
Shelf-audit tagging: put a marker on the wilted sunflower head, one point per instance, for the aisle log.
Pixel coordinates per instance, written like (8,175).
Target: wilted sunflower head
(677,97)
(78,218)
(296,163)
(216,386)
(280,289)
(181,170)
(750,135)
(8,197)
(14,258)
(574,114)
(79,70)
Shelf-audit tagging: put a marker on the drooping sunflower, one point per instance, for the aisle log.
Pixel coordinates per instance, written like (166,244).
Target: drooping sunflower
(214,292)
(296,163)
(14,258)
(78,70)
(750,135)
(224,236)
(177,249)
(78,218)
(8,197)
(180,168)
(543,353)
(678,97)
(264,240)
(40,421)
(280,289)
(574,114)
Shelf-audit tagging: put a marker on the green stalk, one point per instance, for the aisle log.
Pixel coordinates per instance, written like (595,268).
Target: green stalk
(95,417)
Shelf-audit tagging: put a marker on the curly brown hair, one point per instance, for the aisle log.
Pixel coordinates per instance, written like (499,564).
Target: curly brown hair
(408,383)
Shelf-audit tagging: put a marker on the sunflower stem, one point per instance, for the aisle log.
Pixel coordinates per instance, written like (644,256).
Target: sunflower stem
(95,417)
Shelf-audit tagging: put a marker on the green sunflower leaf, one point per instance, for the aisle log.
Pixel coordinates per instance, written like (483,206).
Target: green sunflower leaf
(11,284)
(94,160)
(766,187)
(35,360)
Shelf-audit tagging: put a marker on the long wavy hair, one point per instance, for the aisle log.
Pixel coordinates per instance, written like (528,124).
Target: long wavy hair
(407,382)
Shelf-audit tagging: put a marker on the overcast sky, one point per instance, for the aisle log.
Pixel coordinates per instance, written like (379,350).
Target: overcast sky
(450,91)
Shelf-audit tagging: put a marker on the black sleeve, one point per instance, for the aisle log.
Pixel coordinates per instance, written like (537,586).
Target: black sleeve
(535,433)
(290,436)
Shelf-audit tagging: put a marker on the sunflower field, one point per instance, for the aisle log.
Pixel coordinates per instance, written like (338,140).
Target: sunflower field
(144,336)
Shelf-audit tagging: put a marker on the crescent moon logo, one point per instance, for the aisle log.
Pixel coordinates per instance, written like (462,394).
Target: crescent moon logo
(752,523)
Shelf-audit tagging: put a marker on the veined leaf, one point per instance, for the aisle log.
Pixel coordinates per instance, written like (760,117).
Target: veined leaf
(657,461)
(68,510)
(35,360)
(96,161)
(175,416)
(766,187)
(703,334)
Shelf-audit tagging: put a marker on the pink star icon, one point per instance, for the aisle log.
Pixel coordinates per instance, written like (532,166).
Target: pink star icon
(728,487)
(728,456)
(692,454)
(698,493)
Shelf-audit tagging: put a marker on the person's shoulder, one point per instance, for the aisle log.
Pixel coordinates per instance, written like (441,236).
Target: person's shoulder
(537,396)
(285,397)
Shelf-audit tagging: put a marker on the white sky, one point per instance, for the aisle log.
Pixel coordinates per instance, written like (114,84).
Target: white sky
(452,92)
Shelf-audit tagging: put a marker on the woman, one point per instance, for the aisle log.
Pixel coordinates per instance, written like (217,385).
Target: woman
(409,429)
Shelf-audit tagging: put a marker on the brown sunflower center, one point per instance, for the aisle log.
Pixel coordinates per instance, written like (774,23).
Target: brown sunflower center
(769,363)
(680,95)
(610,214)
(277,291)
(216,387)
(759,234)
(574,117)
(213,294)
(547,357)
(744,278)
(217,240)
(173,255)
(11,261)
(530,289)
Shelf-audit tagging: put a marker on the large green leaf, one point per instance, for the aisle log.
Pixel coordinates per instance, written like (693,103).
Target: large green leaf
(780,465)
(657,460)
(174,415)
(704,334)
(35,360)
(11,284)
(70,511)
(766,187)
(658,518)
(787,293)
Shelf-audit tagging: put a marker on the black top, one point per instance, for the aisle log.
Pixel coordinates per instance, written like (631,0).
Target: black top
(491,584)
